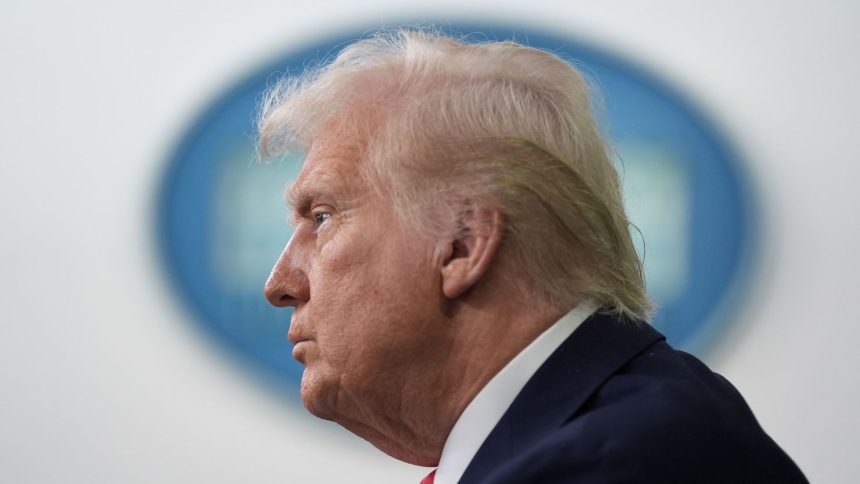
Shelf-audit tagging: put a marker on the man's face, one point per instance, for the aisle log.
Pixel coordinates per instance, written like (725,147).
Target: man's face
(366,293)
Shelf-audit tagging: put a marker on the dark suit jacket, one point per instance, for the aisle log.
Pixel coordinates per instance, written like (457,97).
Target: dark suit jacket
(616,404)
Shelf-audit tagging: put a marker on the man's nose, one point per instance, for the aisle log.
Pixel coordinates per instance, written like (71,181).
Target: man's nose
(288,283)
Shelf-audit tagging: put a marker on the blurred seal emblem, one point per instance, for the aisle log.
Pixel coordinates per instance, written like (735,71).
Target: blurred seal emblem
(221,222)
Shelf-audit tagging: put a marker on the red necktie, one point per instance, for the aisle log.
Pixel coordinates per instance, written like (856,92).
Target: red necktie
(429,478)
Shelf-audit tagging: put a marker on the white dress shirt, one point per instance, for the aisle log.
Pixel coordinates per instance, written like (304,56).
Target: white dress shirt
(486,409)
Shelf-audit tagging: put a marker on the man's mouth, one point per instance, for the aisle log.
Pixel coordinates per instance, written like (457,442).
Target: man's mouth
(299,350)
(296,338)
(296,333)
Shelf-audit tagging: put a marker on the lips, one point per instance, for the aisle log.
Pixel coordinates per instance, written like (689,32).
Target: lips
(295,338)
(296,334)
(300,353)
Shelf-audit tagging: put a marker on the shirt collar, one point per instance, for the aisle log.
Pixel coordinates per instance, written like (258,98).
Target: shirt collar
(486,409)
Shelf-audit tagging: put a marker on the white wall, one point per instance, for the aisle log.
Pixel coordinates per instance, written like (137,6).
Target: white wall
(103,378)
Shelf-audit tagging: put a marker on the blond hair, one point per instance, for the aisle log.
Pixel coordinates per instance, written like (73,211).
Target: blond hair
(450,124)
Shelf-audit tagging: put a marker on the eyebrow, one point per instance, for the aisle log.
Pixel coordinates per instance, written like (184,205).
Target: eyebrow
(293,194)
(300,194)
(299,197)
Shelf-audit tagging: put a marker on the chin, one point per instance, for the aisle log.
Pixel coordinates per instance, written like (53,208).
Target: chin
(315,397)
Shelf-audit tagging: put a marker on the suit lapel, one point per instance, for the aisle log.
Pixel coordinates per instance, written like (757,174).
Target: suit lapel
(596,350)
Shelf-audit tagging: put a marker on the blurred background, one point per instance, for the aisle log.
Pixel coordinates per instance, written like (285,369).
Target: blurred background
(137,229)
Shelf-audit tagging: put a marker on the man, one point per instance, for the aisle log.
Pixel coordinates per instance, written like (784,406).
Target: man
(465,290)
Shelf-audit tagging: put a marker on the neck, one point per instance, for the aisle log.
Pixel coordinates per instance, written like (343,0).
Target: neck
(483,336)
(474,338)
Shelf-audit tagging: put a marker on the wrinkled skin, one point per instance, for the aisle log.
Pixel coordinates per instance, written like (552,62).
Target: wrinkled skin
(393,343)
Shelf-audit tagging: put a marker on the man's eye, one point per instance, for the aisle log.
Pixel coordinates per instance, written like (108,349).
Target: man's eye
(320,217)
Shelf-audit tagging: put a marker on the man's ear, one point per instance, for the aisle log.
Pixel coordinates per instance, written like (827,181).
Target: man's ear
(472,250)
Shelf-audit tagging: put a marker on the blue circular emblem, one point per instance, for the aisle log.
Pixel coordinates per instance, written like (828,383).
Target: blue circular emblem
(222,223)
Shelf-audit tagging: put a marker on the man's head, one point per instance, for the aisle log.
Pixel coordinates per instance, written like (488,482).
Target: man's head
(456,199)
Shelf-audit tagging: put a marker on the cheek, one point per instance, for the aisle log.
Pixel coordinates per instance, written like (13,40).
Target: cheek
(343,288)
(370,297)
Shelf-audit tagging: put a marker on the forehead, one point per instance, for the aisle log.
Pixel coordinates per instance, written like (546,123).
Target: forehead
(331,165)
